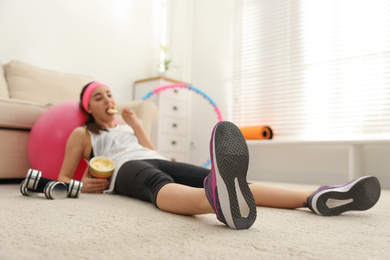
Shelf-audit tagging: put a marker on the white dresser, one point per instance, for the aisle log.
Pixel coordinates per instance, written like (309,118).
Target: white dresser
(171,133)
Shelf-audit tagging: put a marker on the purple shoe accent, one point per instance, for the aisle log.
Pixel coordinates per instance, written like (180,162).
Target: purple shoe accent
(210,185)
(331,200)
(213,179)
(212,197)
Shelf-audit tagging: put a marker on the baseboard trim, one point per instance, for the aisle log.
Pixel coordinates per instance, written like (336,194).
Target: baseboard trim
(11,181)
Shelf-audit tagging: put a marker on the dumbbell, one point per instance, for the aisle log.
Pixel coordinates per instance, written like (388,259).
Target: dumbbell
(52,190)
(35,183)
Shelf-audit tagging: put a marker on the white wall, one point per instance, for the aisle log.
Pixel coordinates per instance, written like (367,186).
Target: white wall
(211,70)
(115,42)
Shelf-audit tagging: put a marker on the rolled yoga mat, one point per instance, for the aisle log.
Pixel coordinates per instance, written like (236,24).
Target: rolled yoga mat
(256,132)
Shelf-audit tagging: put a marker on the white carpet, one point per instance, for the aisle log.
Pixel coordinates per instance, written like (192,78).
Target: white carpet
(116,227)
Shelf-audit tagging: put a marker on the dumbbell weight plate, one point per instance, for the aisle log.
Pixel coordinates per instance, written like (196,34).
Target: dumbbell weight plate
(74,189)
(55,190)
(26,192)
(32,178)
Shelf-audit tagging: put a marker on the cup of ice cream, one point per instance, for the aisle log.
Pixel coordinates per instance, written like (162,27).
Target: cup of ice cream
(101,167)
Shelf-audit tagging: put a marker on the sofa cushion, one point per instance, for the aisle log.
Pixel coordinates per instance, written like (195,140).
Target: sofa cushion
(18,114)
(26,82)
(3,84)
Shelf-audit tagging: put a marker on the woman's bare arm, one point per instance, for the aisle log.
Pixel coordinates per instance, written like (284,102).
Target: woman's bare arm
(77,147)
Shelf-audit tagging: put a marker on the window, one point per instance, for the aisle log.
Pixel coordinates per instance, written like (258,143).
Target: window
(313,69)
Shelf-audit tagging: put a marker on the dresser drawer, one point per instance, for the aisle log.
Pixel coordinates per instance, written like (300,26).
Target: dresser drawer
(172,143)
(175,94)
(173,126)
(174,108)
(175,157)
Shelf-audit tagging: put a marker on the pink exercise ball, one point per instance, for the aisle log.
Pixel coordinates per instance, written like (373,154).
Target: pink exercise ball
(48,137)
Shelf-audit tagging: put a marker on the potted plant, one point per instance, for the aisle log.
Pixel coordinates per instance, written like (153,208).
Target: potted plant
(165,65)
(165,62)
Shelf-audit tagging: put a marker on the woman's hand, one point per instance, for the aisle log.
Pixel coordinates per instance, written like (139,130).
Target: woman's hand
(91,185)
(131,118)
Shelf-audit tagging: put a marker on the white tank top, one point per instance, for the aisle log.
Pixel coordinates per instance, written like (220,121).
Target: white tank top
(120,145)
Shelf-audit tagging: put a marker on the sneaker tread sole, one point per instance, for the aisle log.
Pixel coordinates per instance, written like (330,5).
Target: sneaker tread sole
(363,195)
(232,165)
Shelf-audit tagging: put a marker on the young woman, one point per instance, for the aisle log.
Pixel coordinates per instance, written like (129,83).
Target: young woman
(186,189)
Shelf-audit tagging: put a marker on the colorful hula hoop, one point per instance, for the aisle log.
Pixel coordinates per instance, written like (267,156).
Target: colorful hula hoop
(197,91)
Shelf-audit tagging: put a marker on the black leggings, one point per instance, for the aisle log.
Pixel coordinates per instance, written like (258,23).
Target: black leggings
(143,179)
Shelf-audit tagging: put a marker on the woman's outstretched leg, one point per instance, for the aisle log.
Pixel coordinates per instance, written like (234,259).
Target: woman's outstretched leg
(275,197)
(181,199)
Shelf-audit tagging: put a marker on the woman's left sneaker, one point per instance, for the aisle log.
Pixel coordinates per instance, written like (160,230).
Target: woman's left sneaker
(359,194)
(226,187)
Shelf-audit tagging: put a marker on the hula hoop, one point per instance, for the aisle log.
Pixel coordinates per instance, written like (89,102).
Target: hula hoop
(191,88)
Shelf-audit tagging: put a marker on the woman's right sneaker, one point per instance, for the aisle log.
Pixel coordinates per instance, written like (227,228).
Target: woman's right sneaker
(359,194)
(226,187)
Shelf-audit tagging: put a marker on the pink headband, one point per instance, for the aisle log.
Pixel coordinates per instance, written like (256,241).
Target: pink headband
(88,92)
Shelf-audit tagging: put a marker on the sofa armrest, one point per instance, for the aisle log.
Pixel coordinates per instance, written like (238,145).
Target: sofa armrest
(146,111)
(19,114)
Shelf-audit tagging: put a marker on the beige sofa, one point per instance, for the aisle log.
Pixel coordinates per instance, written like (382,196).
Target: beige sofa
(26,92)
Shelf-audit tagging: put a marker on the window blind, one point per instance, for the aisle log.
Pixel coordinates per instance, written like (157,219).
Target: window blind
(313,69)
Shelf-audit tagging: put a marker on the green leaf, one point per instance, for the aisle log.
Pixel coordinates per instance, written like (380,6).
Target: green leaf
(164,48)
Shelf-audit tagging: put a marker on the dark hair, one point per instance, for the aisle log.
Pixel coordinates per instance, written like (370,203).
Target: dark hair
(90,122)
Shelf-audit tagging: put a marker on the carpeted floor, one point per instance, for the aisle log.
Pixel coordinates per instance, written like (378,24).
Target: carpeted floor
(114,227)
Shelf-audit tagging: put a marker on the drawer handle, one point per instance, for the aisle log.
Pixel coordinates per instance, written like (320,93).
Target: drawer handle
(173,142)
(175,91)
(175,108)
(174,125)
